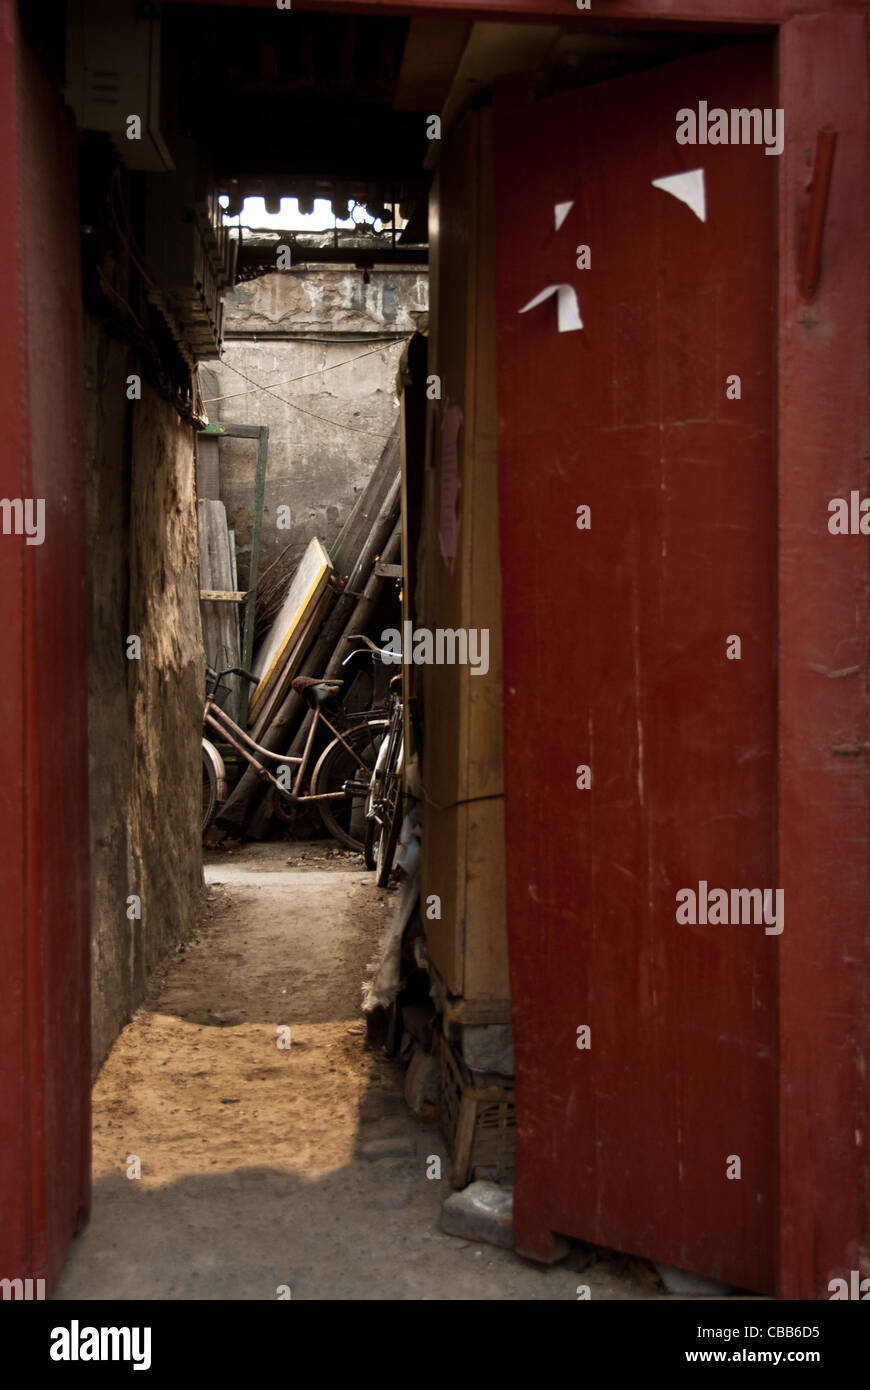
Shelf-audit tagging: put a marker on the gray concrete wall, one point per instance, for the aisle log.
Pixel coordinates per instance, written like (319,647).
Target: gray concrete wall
(144,717)
(323,347)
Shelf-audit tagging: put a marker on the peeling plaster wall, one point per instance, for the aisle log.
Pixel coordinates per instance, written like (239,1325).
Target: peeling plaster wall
(328,431)
(333,299)
(144,717)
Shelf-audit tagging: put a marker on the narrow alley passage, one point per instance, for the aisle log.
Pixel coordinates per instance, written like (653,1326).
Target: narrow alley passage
(264,1167)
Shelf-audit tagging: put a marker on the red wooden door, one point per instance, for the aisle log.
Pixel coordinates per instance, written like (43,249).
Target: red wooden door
(659,1137)
(44,909)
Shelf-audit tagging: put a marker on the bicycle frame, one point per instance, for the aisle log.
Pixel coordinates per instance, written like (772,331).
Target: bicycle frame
(223,724)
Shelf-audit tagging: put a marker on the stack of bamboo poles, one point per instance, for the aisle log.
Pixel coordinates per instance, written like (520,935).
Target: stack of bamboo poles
(372,533)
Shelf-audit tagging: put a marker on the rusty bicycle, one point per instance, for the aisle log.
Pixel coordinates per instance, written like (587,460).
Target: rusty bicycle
(339,781)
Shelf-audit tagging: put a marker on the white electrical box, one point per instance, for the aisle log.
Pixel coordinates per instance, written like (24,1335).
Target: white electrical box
(113,75)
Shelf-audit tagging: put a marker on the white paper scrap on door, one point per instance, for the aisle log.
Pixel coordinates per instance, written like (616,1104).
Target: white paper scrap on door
(689,188)
(449,479)
(569,306)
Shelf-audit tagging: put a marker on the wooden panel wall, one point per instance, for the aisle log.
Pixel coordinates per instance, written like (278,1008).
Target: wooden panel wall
(824,619)
(463,844)
(625,1143)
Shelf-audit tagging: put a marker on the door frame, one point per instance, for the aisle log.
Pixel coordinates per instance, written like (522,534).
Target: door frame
(823,598)
(823,610)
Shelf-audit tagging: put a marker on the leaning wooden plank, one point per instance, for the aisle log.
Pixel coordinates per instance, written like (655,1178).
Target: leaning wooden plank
(325,649)
(237,808)
(220,619)
(335,550)
(349,544)
(315,662)
(358,621)
(269,707)
(306,586)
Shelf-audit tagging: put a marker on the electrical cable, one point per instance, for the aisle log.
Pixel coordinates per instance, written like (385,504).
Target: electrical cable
(127,239)
(287,381)
(466,801)
(323,418)
(105,286)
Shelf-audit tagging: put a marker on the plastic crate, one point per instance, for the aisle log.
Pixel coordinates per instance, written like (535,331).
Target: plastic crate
(479,1122)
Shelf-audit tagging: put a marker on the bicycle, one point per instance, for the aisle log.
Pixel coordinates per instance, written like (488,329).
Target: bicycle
(384,802)
(340,780)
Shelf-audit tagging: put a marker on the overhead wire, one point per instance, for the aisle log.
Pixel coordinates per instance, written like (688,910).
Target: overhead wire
(292,404)
(288,380)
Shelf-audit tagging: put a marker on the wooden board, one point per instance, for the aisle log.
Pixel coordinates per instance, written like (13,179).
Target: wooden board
(268,708)
(463,837)
(306,588)
(824,1004)
(217,574)
(616,657)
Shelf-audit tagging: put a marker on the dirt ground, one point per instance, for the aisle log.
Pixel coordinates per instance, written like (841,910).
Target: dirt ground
(252,1175)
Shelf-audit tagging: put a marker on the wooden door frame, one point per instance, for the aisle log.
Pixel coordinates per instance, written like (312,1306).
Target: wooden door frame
(823,604)
(822,451)
(823,368)
(823,601)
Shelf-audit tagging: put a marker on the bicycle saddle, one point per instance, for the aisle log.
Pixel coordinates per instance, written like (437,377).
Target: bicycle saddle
(316,692)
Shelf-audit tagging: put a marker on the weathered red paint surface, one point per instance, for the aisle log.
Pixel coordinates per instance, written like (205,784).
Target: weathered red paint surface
(824,625)
(15,1120)
(45,1039)
(617,635)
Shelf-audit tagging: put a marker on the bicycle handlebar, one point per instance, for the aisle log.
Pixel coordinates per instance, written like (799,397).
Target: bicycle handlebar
(216,676)
(382,652)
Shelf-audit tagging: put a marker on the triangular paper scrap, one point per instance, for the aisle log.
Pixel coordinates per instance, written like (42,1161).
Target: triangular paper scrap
(569,307)
(689,188)
(561,211)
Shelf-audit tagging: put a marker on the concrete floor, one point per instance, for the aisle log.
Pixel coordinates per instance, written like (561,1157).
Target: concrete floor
(251,1171)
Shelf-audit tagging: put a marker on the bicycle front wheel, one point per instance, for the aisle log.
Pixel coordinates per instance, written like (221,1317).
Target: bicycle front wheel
(209,788)
(346,767)
(373,828)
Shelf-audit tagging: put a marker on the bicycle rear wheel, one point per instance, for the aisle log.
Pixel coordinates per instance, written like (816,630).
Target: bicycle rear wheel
(391,824)
(351,762)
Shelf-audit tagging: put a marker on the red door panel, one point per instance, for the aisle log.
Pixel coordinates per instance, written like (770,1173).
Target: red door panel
(616,644)
(44,922)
